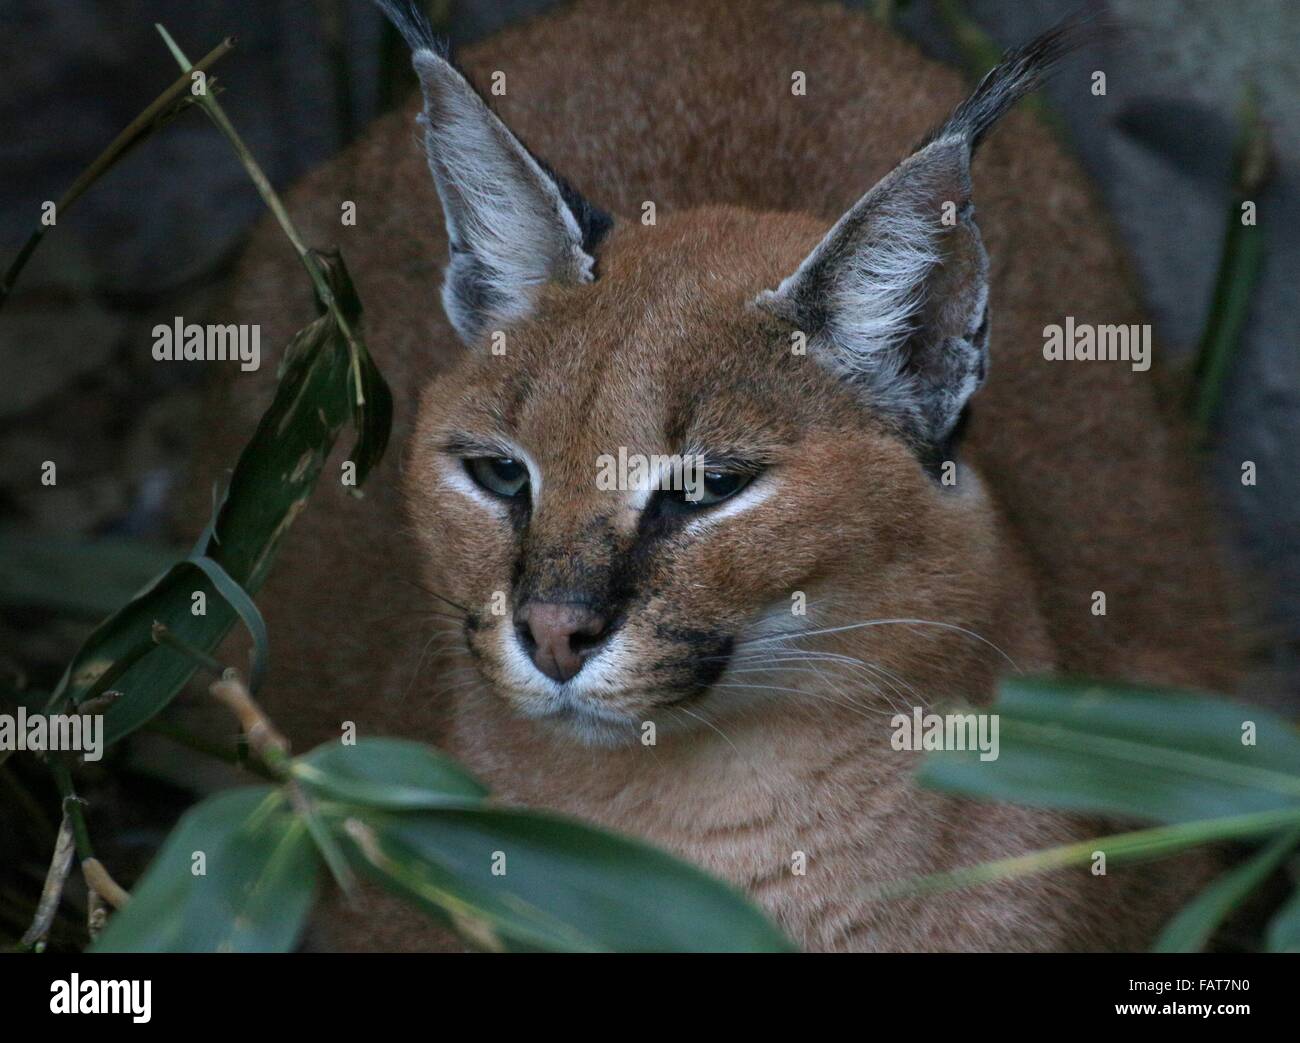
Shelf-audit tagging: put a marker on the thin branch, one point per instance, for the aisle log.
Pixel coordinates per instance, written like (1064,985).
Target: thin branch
(51,894)
(99,881)
(163,636)
(166,105)
(1240,265)
(211,748)
(267,742)
(218,116)
(96,914)
(263,737)
(97,878)
(73,807)
(229,690)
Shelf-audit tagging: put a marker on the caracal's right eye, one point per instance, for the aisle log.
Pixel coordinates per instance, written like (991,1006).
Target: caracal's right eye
(500,475)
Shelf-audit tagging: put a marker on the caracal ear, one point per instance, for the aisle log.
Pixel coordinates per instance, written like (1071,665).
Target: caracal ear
(513,225)
(895,298)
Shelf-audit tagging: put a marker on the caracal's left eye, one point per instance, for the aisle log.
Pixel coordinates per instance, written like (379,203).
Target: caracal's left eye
(500,475)
(721,485)
(715,485)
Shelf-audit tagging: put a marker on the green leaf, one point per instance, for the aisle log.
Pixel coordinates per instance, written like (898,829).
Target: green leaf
(1192,927)
(1284,929)
(255,893)
(373,408)
(237,598)
(396,774)
(1175,757)
(1134,846)
(275,474)
(1163,755)
(373,419)
(566,886)
(1241,263)
(488,919)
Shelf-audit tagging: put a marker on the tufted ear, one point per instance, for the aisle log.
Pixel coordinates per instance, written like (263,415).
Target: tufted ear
(512,223)
(895,297)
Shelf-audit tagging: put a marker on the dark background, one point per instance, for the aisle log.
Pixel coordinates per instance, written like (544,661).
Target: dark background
(159,235)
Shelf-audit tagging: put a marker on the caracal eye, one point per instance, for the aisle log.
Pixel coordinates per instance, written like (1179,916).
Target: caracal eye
(716,487)
(500,475)
(719,485)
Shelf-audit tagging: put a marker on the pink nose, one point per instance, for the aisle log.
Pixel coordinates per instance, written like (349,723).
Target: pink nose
(559,637)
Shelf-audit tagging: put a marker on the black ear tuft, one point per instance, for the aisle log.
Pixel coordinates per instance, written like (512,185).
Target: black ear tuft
(409,20)
(1020,71)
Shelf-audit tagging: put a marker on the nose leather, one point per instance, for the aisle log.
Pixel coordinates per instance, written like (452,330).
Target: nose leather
(559,637)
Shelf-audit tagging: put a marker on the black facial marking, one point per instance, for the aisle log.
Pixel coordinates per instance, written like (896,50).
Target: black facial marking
(613,573)
(704,659)
(519,509)
(709,667)
(590,570)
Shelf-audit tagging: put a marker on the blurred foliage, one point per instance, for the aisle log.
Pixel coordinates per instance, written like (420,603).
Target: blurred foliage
(1207,768)
(1241,263)
(413,821)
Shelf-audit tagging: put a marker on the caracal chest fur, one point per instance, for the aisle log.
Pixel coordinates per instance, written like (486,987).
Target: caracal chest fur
(668,537)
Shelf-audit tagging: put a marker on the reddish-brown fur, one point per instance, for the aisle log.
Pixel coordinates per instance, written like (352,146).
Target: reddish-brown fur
(1072,482)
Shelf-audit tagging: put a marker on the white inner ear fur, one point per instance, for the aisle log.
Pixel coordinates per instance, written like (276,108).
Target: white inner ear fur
(510,228)
(869,277)
(878,283)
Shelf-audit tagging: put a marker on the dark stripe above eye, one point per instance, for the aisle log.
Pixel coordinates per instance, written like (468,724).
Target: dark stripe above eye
(466,445)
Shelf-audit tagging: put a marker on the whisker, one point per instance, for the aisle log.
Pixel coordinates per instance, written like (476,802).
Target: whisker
(434,594)
(710,724)
(799,691)
(820,631)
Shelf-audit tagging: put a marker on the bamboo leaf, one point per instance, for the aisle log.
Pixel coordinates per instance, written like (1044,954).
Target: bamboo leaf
(1241,263)
(327,377)
(258,879)
(1149,753)
(396,774)
(270,485)
(247,610)
(1192,927)
(515,879)
(1137,845)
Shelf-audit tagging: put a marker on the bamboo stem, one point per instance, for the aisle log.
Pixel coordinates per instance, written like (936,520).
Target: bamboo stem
(260,181)
(167,104)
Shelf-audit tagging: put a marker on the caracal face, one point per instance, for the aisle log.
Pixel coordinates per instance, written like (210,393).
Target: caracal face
(663,355)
